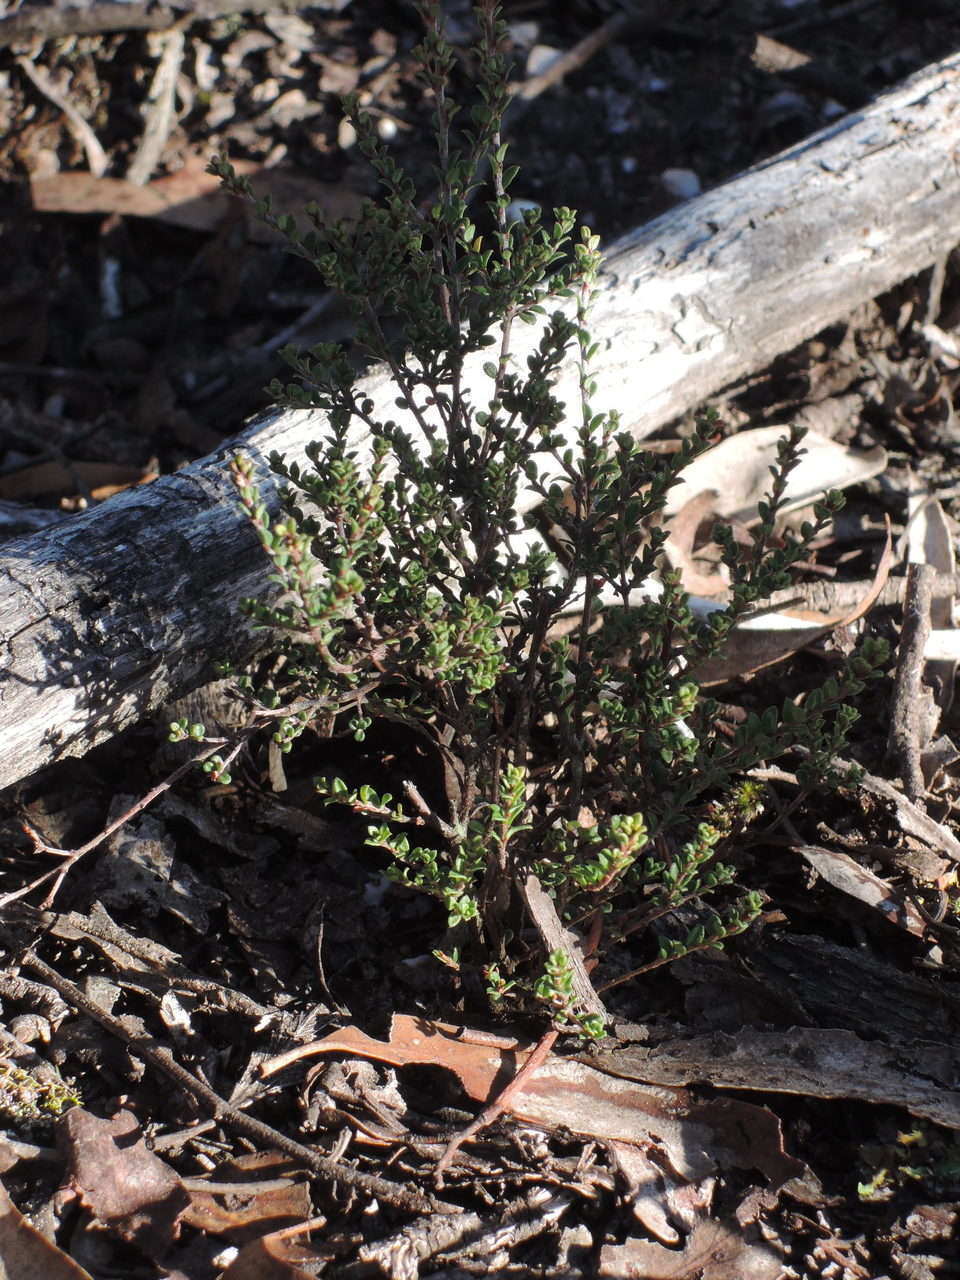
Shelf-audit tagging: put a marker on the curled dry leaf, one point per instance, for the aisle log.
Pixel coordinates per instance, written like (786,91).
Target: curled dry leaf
(254,1210)
(855,880)
(727,482)
(274,1257)
(738,469)
(680,546)
(767,638)
(574,1096)
(191,197)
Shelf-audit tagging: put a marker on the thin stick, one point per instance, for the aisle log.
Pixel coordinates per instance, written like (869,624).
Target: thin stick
(72,856)
(906,712)
(573,59)
(161,1059)
(161,114)
(500,1104)
(96,156)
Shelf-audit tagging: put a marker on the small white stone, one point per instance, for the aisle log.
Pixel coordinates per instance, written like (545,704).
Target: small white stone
(290,107)
(346,135)
(266,91)
(517,208)
(682,183)
(541,58)
(376,889)
(524,34)
(650,82)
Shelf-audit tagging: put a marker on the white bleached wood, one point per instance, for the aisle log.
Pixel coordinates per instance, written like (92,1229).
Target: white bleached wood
(105,617)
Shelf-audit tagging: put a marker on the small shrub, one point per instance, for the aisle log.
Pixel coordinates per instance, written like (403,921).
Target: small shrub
(541,653)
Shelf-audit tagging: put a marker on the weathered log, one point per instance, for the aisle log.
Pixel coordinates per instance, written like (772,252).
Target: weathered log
(51,22)
(106,617)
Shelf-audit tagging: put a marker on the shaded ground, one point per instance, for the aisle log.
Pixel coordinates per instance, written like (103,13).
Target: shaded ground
(130,345)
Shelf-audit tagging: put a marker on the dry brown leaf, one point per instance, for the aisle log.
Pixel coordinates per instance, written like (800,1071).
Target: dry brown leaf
(25,1254)
(273,1257)
(855,880)
(123,1184)
(565,1093)
(769,638)
(714,1251)
(70,479)
(244,1216)
(192,197)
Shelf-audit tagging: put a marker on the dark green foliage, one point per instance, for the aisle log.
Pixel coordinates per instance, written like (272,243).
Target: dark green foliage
(409,582)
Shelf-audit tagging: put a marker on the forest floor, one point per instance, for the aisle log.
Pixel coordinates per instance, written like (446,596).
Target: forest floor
(141,316)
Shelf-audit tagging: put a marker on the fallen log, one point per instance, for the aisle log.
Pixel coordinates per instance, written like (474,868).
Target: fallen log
(51,22)
(106,617)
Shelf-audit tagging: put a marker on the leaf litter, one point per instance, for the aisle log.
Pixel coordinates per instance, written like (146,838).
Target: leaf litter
(224,945)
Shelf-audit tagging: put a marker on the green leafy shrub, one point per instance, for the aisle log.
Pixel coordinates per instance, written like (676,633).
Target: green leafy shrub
(542,653)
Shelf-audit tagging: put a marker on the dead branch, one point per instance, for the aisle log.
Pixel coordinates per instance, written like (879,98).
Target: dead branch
(907,736)
(49,22)
(107,616)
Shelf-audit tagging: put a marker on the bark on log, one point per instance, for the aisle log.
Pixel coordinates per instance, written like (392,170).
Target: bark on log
(105,618)
(52,22)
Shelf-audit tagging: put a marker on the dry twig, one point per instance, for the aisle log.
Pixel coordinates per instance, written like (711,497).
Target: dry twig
(907,737)
(500,1104)
(43,22)
(72,856)
(231,1117)
(96,156)
(161,114)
